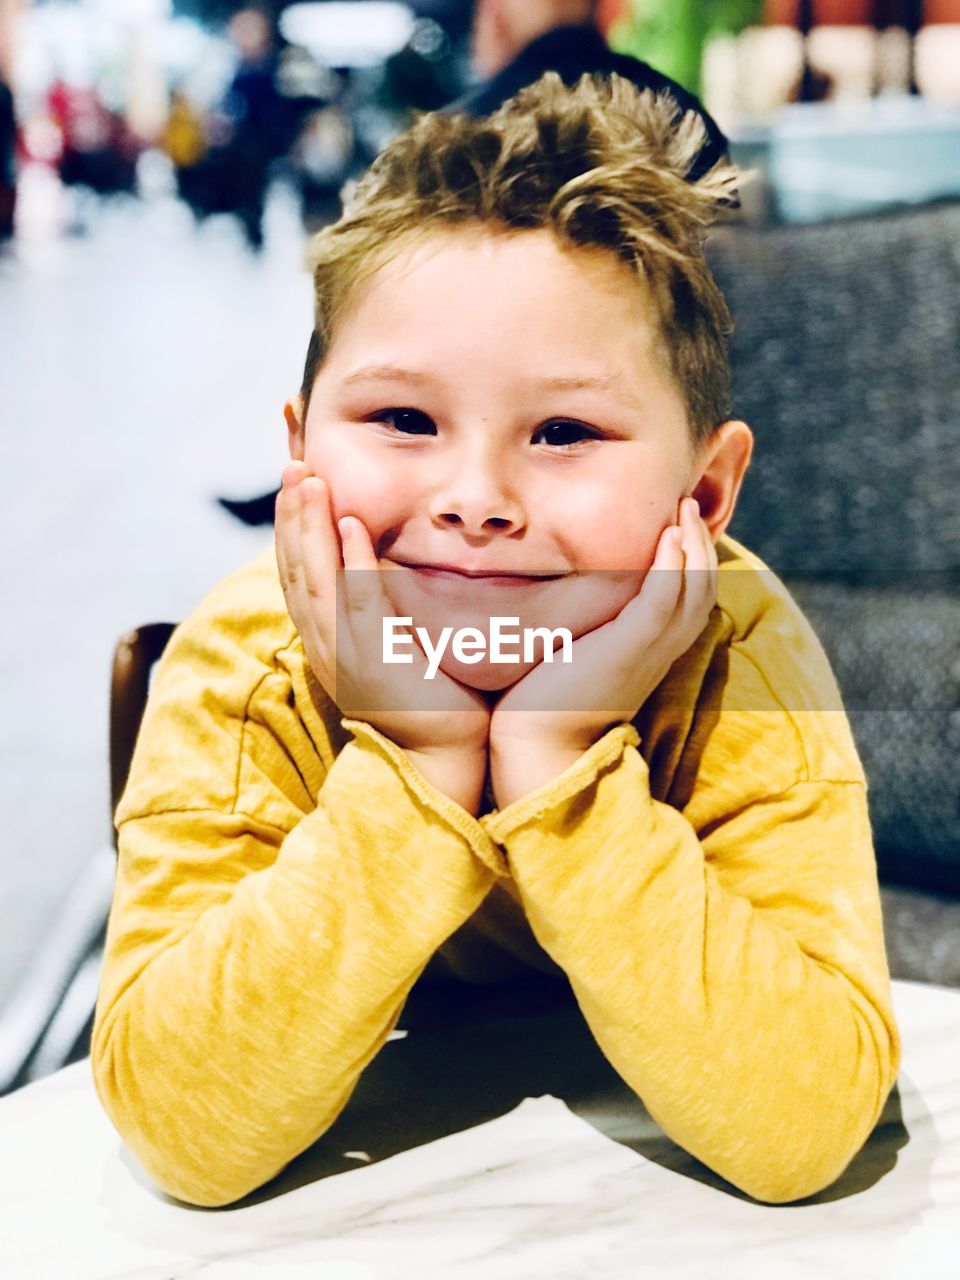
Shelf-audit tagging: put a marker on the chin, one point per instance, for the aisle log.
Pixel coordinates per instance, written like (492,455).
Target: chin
(486,677)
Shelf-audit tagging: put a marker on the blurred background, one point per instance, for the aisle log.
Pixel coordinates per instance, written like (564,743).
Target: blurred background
(162,163)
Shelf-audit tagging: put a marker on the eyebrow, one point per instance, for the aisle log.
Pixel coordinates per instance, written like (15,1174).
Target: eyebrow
(386,373)
(394,373)
(598,383)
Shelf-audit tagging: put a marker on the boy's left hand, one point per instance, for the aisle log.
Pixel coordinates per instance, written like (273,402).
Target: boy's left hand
(614,670)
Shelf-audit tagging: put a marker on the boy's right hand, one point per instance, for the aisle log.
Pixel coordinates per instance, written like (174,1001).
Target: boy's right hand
(442,725)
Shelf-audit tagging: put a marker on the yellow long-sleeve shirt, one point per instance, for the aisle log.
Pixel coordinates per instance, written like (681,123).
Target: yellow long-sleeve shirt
(705,877)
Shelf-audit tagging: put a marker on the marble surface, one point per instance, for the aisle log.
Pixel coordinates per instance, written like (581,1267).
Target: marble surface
(490,1138)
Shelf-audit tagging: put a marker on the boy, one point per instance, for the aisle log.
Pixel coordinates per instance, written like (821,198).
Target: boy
(515,401)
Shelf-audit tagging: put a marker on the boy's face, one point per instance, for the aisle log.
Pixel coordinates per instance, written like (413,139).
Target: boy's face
(496,404)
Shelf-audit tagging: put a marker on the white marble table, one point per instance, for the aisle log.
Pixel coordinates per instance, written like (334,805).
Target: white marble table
(490,1138)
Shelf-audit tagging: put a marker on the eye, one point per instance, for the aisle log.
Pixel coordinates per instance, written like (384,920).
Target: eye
(564,433)
(409,422)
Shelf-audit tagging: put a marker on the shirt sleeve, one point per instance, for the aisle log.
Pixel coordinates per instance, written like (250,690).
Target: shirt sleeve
(733,974)
(252,972)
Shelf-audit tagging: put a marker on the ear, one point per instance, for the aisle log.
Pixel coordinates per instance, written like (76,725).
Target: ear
(293,415)
(721,465)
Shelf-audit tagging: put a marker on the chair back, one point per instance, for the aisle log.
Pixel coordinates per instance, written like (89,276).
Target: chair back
(133,660)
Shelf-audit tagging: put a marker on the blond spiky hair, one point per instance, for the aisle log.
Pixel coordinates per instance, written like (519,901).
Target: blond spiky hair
(600,165)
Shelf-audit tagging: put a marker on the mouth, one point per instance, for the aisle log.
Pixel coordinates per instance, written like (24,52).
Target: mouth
(481,576)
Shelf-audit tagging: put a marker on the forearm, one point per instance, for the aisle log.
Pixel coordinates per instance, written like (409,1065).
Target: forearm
(228,1041)
(756,1029)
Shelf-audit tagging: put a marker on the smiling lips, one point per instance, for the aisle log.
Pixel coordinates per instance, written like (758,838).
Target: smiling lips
(481,576)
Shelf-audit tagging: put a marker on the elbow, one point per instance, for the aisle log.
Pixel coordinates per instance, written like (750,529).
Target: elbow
(201,1177)
(806,1163)
(178,1159)
(788,1181)
(186,1175)
(200,1183)
(196,1184)
(185,1156)
(198,1193)
(784,1185)
(780,1171)
(810,1146)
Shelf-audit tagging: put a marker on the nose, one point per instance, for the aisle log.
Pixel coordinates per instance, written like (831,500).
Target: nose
(476,498)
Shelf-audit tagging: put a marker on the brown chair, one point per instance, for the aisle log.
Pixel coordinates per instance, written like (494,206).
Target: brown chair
(133,661)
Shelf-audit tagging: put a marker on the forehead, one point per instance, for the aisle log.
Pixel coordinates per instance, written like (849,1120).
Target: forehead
(519,294)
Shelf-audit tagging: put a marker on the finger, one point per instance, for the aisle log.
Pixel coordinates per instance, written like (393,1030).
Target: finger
(287,524)
(361,584)
(693,528)
(286,528)
(712,561)
(710,558)
(358,550)
(293,473)
(364,601)
(650,611)
(666,572)
(699,588)
(320,550)
(695,562)
(312,622)
(362,605)
(367,600)
(700,562)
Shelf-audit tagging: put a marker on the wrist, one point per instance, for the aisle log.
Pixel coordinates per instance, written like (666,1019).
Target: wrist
(521,766)
(457,771)
(544,735)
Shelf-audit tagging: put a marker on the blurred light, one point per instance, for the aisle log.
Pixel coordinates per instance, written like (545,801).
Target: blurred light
(133,11)
(358,34)
(429,40)
(64,40)
(42,140)
(181,44)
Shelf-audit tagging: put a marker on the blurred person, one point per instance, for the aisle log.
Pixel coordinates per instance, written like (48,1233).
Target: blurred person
(321,161)
(513,43)
(8,161)
(183,139)
(516,401)
(258,119)
(423,75)
(98,150)
(325,151)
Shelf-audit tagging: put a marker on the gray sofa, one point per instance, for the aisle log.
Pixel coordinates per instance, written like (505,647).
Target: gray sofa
(846,362)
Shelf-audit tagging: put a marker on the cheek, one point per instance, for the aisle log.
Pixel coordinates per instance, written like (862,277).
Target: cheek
(616,528)
(623,547)
(372,493)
